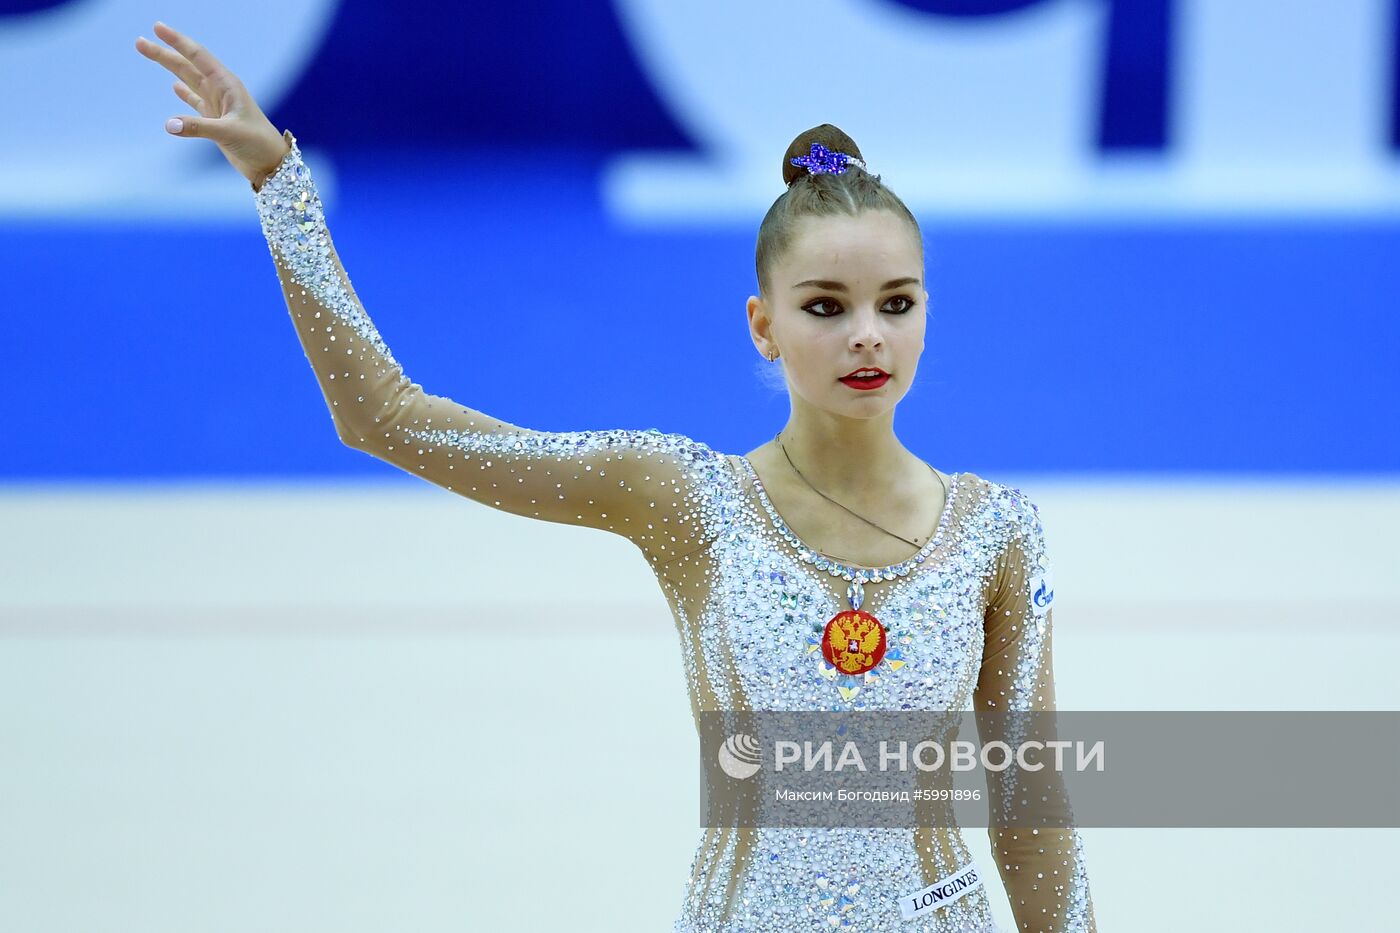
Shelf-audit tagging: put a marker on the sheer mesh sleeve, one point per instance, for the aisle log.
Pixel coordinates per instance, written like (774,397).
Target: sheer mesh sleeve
(655,489)
(1041,867)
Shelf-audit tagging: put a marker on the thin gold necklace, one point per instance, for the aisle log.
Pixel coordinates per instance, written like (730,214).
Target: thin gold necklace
(778,437)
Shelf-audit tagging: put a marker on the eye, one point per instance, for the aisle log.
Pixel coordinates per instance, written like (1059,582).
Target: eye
(812,306)
(820,301)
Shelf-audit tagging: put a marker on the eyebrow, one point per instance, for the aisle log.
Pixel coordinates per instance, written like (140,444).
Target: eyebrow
(838,287)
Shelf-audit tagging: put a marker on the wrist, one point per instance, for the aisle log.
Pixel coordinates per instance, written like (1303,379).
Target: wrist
(257,179)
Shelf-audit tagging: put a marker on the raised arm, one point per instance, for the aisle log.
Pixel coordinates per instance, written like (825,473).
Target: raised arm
(1042,868)
(660,491)
(663,492)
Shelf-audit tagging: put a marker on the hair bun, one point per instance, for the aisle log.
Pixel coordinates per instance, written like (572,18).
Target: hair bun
(829,136)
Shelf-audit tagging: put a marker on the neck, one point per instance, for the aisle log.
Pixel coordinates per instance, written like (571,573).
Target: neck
(845,456)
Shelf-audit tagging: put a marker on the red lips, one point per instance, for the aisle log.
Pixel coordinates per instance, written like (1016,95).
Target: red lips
(866,384)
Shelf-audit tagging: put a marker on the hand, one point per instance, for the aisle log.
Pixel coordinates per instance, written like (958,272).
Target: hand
(227,113)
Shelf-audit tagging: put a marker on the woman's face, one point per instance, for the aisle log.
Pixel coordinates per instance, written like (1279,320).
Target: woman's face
(848,294)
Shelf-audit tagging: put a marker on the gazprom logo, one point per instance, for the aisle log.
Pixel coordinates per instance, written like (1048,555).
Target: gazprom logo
(1042,588)
(1046,107)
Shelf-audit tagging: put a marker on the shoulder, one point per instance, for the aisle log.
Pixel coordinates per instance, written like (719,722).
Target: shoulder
(1008,511)
(636,458)
(685,450)
(1017,539)
(708,473)
(686,476)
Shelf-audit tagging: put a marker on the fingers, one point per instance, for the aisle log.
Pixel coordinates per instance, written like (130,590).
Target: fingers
(183,92)
(201,58)
(172,61)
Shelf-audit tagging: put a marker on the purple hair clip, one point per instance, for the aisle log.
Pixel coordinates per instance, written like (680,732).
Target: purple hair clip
(824,161)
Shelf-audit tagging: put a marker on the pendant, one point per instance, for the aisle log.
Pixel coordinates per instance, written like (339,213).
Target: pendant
(854,640)
(841,659)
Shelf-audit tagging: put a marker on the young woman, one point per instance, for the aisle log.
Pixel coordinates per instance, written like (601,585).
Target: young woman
(828,569)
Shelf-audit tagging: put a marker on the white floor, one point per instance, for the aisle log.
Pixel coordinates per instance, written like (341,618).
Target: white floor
(307,708)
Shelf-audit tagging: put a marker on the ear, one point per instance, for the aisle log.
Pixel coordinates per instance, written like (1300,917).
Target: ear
(758,315)
(760,327)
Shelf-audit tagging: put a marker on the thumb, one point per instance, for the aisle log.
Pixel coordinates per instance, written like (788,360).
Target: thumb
(186,126)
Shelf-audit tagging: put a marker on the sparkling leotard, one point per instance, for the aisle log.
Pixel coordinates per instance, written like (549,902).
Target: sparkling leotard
(967,627)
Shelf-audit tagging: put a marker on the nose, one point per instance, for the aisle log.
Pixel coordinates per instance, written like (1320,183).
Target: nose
(865,330)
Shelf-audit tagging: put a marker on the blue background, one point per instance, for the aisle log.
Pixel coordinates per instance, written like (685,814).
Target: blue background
(467,143)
